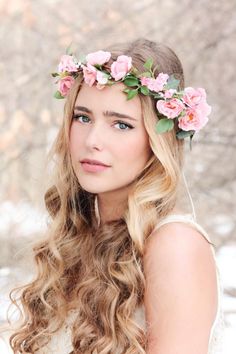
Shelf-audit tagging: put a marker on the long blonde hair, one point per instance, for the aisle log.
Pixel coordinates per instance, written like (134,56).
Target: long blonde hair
(98,270)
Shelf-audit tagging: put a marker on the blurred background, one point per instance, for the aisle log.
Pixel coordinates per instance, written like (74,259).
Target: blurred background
(34,35)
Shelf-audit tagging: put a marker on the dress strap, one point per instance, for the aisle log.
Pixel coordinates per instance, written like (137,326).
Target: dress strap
(186,218)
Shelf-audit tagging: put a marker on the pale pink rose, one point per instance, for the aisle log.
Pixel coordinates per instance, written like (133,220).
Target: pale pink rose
(193,97)
(99,57)
(169,93)
(67,64)
(149,82)
(192,120)
(170,109)
(121,67)
(65,84)
(204,108)
(160,81)
(101,78)
(145,80)
(90,74)
(157,84)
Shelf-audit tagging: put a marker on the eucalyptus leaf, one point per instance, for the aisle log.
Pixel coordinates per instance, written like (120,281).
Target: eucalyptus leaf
(190,141)
(82,59)
(131,81)
(131,94)
(164,125)
(69,50)
(184,134)
(148,64)
(172,83)
(58,95)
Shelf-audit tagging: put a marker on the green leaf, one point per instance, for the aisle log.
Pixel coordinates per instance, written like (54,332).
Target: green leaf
(98,66)
(131,94)
(134,71)
(181,134)
(144,90)
(55,74)
(157,96)
(131,81)
(126,90)
(190,141)
(148,64)
(172,83)
(164,125)
(110,83)
(82,59)
(145,74)
(69,50)
(58,95)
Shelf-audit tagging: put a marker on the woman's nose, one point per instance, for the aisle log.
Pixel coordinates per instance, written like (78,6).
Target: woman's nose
(95,136)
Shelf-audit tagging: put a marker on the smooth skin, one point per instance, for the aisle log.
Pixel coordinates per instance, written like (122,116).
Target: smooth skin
(181,293)
(112,132)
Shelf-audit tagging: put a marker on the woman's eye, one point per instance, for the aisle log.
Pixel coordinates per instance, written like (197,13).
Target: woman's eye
(84,119)
(81,118)
(124,126)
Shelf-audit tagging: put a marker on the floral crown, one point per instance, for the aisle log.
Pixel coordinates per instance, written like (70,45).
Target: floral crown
(188,107)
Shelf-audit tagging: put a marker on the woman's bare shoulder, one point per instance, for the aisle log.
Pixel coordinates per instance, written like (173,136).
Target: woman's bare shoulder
(176,245)
(181,288)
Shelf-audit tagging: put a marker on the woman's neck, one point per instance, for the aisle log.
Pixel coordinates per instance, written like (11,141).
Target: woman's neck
(110,207)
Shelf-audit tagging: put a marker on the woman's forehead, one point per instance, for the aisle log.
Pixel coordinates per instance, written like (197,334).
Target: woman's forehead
(108,99)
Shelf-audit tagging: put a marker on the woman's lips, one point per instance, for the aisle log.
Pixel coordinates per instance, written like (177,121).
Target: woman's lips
(88,167)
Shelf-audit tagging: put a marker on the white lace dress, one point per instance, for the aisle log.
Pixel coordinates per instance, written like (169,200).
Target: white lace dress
(61,342)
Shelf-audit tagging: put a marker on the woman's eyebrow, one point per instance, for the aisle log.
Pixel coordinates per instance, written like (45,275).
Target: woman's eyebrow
(106,113)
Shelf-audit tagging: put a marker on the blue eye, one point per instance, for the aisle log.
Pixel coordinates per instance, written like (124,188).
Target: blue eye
(85,119)
(78,116)
(124,126)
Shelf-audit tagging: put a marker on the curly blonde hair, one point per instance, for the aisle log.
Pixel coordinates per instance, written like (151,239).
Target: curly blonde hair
(98,269)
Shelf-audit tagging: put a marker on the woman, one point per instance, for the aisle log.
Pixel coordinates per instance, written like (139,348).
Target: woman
(122,268)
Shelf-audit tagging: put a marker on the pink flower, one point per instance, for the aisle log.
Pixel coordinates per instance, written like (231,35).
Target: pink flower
(204,108)
(170,109)
(160,81)
(194,119)
(99,57)
(65,84)
(100,86)
(149,82)
(121,67)
(156,84)
(67,64)
(193,96)
(169,93)
(145,81)
(90,74)
(101,78)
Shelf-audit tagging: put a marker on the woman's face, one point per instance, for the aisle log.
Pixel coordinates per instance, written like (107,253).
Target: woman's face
(109,128)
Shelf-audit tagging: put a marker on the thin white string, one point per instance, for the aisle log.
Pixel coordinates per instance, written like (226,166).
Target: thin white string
(185,182)
(191,201)
(97,210)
